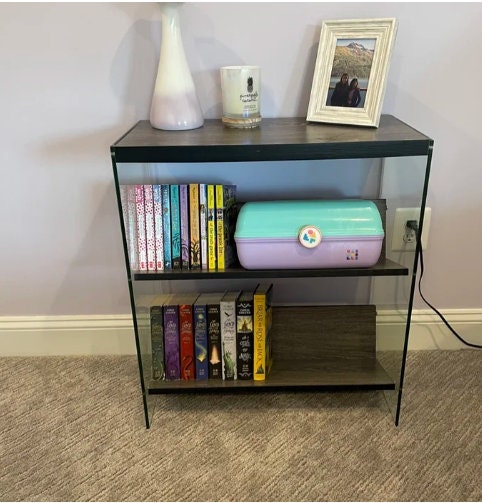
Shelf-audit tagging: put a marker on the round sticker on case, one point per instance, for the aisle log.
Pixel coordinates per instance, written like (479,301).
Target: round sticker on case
(309,236)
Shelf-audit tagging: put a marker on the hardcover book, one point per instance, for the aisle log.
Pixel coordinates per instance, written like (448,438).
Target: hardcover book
(166,225)
(194,234)
(175,227)
(184,211)
(150,232)
(212,253)
(225,225)
(213,315)
(141,228)
(203,224)
(262,353)
(228,334)
(157,337)
(171,339)
(201,337)
(244,335)
(158,227)
(186,336)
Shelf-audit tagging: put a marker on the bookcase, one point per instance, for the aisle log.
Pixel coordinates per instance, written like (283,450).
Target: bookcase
(333,329)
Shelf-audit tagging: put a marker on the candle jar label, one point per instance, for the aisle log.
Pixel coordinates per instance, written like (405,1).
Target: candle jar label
(240,86)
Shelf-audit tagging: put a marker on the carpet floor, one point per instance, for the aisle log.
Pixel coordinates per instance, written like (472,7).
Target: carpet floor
(72,429)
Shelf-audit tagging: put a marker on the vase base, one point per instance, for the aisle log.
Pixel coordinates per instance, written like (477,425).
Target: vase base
(177,127)
(244,123)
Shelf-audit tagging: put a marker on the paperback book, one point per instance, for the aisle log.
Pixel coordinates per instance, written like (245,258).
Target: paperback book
(225,225)
(244,335)
(141,228)
(175,227)
(228,334)
(194,235)
(166,226)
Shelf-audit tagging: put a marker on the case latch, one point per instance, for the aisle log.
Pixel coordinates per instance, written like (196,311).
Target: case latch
(309,236)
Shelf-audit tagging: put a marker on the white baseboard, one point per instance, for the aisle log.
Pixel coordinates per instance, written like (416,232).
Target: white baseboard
(427,330)
(66,335)
(114,334)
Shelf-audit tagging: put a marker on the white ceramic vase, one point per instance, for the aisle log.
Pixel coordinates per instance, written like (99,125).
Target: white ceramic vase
(175,105)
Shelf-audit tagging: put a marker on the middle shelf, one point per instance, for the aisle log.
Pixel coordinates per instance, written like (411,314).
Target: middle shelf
(385,267)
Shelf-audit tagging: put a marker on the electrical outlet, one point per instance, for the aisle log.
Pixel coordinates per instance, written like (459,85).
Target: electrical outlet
(403,238)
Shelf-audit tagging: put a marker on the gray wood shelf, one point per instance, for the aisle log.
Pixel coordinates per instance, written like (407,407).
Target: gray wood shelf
(274,140)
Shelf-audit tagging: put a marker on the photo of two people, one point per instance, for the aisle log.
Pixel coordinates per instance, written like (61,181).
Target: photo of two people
(350,73)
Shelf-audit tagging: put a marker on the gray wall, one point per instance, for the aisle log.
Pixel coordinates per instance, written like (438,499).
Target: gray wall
(74,77)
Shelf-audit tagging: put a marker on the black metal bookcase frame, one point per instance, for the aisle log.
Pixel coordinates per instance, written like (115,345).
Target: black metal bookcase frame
(279,139)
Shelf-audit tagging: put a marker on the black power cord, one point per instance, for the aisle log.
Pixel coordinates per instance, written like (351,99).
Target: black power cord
(412,224)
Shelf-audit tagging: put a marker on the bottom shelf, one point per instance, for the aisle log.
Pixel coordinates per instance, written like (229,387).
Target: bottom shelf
(333,375)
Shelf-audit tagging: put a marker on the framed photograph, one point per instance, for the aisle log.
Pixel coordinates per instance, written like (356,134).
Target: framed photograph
(350,72)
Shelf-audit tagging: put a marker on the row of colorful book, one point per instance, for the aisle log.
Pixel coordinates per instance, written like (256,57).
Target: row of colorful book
(179,226)
(212,335)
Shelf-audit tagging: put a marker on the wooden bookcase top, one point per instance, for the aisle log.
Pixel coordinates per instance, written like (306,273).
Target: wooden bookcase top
(274,140)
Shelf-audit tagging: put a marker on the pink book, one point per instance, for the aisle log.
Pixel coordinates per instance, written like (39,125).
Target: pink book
(158,227)
(150,233)
(141,228)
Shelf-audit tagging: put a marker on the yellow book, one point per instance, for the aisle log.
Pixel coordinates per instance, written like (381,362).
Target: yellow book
(211,228)
(262,353)
(219,226)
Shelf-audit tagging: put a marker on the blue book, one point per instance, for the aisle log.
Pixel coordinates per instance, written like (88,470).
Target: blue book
(166,226)
(175,227)
(201,338)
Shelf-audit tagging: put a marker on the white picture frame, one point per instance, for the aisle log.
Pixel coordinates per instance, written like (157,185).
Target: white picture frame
(347,46)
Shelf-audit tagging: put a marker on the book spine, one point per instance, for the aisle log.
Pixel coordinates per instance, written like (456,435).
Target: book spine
(244,338)
(211,228)
(228,339)
(184,209)
(171,341)
(230,218)
(194,235)
(175,227)
(166,225)
(203,224)
(219,194)
(158,227)
(157,343)
(131,228)
(186,341)
(141,228)
(214,341)
(150,231)
(259,331)
(201,342)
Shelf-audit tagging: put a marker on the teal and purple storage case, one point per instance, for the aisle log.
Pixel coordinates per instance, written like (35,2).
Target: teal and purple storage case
(309,234)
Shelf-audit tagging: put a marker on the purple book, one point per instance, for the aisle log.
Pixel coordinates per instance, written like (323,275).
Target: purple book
(184,209)
(171,339)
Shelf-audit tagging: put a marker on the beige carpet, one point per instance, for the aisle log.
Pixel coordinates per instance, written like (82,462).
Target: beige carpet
(72,429)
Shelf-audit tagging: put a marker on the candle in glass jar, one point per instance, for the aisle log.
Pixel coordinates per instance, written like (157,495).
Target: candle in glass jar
(240,86)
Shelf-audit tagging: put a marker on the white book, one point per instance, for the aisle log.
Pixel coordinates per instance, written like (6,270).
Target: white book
(227,307)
